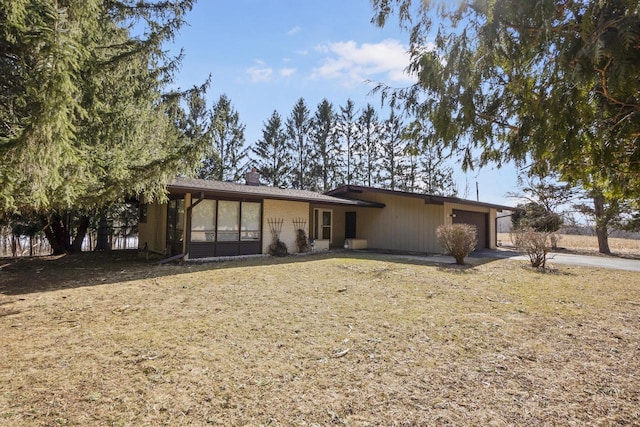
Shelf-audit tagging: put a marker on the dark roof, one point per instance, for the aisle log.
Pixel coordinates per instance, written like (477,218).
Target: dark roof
(350,190)
(231,189)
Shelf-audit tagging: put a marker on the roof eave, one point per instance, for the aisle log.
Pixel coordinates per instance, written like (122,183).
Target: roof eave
(177,188)
(428,199)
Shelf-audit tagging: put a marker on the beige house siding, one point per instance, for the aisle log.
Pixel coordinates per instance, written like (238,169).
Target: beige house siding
(152,232)
(449,207)
(287,211)
(405,224)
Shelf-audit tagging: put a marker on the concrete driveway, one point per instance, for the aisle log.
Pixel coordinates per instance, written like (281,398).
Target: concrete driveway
(552,258)
(570,259)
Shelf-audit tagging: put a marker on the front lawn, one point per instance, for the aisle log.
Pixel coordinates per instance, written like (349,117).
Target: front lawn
(320,340)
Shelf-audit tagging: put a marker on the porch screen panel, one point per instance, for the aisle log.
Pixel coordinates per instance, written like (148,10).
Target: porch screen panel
(203,222)
(228,221)
(175,220)
(250,222)
(179,219)
(171,220)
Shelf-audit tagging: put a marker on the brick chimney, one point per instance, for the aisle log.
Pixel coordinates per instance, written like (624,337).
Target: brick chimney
(253,177)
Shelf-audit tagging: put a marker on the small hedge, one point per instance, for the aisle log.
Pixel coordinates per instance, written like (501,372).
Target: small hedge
(458,240)
(301,241)
(535,244)
(278,248)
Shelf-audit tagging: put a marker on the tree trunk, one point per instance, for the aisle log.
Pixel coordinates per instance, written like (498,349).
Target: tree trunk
(601,217)
(56,233)
(76,245)
(14,246)
(5,239)
(102,242)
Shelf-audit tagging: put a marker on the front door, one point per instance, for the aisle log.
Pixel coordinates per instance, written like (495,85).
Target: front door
(349,225)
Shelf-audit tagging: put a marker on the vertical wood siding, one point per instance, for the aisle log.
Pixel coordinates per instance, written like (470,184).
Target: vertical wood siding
(405,224)
(153,232)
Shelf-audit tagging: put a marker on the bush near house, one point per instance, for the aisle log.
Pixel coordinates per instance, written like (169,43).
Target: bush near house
(301,241)
(278,248)
(534,243)
(458,240)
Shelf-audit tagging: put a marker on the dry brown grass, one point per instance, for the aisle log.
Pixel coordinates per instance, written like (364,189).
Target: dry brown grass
(94,341)
(589,244)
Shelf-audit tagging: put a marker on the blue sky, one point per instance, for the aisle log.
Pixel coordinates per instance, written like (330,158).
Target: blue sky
(267,54)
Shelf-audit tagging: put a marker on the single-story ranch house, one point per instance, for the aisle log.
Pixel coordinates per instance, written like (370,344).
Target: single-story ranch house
(205,219)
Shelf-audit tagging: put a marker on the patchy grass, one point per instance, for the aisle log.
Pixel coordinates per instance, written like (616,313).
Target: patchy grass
(588,245)
(320,340)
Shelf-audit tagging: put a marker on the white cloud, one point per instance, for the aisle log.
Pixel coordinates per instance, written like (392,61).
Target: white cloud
(259,74)
(353,63)
(294,30)
(286,72)
(303,52)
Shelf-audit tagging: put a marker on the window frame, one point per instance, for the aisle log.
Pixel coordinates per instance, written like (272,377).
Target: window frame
(233,233)
(318,224)
(207,232)
(240,234)
(243,230)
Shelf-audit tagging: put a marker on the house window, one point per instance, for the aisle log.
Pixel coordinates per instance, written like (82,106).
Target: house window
(322,224)
(228,221)
(203,221)
(250,222)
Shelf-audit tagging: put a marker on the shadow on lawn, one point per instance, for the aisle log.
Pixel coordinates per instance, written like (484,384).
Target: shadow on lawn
(21,276)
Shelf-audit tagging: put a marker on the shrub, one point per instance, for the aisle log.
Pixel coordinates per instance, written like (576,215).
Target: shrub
(458,240)
(535,244)
(301,241)
(278,248)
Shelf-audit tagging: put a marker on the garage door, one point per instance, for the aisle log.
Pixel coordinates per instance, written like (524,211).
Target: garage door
(479,219)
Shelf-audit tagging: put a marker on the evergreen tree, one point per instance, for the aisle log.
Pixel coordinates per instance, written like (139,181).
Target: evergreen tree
(367,147)
(536,216)
(409,180)
(427,170)
(347,130)
(84,120)
(547,83)
(393,163)
(83,101)
(437,177)
(225,158)
(273,153)
(326,148)
(298,127)
(195,122)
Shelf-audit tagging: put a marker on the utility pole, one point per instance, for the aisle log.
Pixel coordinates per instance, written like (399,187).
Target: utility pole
(477,192)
